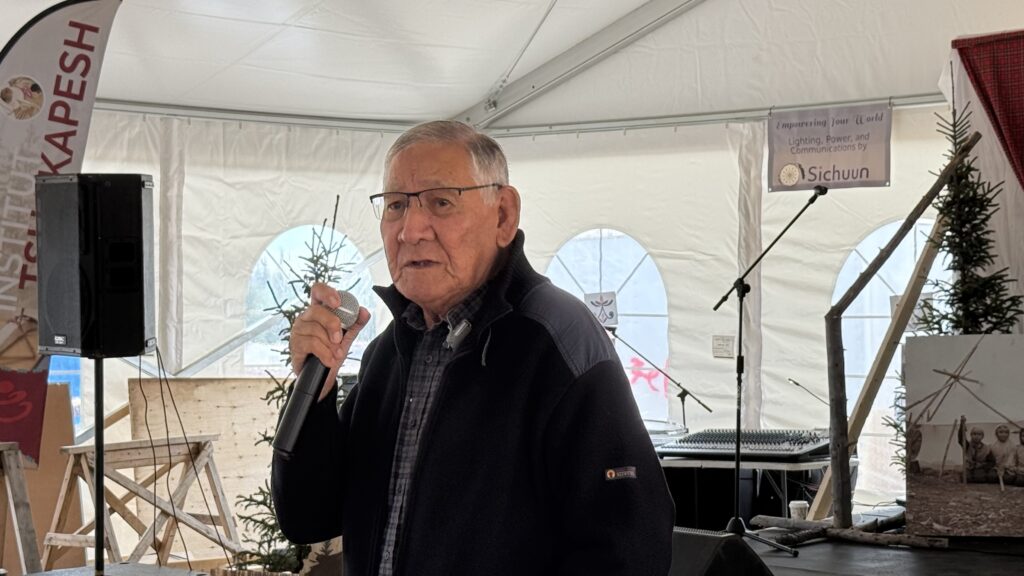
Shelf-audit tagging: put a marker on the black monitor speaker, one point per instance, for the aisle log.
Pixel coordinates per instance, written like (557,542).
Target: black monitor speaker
(705,553)
(95,265)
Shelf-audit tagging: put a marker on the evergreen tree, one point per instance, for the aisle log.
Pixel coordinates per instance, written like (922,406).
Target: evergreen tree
(272,551)
(976,301)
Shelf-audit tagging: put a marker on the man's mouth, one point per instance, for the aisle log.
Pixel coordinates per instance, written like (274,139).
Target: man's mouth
(419,263)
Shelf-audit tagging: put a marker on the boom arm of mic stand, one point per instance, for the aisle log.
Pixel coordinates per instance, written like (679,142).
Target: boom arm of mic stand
(739,283)
(683,390)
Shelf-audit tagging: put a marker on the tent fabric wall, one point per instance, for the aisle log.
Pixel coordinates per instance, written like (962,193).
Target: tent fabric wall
(748,145)
(689,195)
(674,191)
(800,275)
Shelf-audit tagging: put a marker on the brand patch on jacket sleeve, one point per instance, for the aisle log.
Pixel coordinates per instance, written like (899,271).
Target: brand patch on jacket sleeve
(620,473)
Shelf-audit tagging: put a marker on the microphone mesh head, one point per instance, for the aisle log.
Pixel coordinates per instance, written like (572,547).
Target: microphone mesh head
(348,311)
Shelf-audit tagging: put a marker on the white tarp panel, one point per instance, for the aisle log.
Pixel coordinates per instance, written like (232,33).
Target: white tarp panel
(676,191)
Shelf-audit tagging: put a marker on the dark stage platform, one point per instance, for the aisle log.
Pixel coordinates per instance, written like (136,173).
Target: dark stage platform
(830,558)
(850,559)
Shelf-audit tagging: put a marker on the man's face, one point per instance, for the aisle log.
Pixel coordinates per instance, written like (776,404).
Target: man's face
(437,261)
(976,436)
(1002,434)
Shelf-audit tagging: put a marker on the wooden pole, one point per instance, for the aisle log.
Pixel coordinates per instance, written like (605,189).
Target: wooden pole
(887,539)
(873,525)
(962,436)
(842,491)
(847,433)
(848,430)
(870,532)
(949,441)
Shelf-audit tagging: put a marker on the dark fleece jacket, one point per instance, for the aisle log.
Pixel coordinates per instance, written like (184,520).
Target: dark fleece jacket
(534,461)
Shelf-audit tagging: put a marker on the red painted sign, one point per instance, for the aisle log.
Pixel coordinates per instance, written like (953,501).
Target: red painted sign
(22,403)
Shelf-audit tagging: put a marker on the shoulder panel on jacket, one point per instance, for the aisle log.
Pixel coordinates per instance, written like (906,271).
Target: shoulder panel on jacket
(580,338)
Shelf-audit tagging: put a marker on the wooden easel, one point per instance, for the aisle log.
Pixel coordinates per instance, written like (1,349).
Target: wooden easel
(164,454)
(21,512)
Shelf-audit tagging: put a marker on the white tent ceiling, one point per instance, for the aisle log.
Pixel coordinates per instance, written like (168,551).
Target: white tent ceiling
(566,61)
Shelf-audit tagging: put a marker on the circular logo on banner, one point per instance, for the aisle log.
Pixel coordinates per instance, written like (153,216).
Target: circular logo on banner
(790,174)
(21,97)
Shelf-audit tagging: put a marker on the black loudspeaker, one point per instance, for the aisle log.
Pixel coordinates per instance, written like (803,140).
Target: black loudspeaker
(95,265)
(704,553)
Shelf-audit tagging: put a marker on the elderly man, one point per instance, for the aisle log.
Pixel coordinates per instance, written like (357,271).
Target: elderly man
(492,430)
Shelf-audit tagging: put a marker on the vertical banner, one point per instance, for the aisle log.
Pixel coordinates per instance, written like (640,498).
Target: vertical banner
(841,147)
(48,76)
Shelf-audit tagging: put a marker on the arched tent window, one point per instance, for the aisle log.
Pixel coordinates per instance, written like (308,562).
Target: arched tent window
(604,260)
(275,269)
(864,326)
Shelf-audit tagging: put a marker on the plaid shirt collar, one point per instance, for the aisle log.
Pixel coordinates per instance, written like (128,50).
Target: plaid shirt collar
(465,310)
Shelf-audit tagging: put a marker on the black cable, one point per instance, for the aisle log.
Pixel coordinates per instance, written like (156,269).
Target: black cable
(170,458)
(152,449)
(202,492)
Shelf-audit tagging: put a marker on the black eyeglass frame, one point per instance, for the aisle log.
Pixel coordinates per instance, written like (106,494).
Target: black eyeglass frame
(416,195)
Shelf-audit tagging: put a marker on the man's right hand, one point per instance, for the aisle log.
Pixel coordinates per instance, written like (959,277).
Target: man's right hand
(318,331)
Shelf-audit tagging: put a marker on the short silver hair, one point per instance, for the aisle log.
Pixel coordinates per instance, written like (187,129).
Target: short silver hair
(488,158)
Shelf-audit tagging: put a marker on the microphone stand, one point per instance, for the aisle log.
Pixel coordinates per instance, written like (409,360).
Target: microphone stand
(683,392)
(740,286)
(805,389)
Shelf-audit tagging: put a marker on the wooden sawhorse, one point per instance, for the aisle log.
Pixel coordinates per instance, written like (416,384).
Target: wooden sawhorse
(21,513)
(163,454)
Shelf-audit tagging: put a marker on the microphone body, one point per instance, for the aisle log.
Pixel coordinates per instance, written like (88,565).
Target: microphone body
(308,385)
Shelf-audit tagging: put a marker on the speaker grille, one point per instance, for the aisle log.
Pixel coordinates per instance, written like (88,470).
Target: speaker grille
(97,225)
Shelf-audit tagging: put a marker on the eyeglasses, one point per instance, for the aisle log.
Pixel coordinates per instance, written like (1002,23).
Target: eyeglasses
(439,202)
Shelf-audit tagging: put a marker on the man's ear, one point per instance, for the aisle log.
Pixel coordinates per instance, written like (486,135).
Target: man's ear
(508,215)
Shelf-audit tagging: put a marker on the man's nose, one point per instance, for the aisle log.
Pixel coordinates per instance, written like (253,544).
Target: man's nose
(416,223)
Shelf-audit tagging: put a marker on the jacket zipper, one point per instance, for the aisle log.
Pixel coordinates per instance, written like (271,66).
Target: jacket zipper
(382,510)
(442,390)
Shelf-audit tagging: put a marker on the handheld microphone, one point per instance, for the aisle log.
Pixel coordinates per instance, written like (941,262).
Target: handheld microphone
(309,383)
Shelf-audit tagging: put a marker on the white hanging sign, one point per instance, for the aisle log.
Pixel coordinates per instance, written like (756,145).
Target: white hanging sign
(604,307)
(841,147)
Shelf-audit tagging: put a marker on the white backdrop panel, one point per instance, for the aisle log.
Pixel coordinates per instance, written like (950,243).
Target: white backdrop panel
(800,273)
(674,191)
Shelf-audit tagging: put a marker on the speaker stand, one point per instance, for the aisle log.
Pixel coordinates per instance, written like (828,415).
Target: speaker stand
(740,286)
(98,467)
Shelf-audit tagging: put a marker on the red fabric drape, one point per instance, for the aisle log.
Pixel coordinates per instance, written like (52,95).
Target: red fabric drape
(995,65)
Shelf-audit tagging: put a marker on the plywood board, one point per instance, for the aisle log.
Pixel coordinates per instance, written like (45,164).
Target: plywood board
(232,408)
